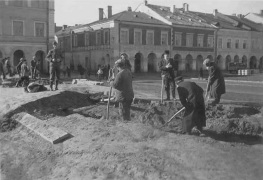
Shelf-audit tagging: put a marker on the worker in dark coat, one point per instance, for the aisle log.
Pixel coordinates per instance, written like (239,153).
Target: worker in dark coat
(55,58)
(33,64)
(18,67)
(123,88)
(216,83)
(124,58)
(191,97)
(167,67)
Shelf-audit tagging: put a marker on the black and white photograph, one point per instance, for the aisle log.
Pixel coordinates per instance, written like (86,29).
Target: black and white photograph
(131,90)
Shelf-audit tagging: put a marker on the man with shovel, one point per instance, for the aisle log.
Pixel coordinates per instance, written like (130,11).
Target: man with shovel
(191,97)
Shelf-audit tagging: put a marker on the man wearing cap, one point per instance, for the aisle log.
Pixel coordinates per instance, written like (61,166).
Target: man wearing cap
(167,67)
(54,57)
(216,83)
(191,97)
(123,88)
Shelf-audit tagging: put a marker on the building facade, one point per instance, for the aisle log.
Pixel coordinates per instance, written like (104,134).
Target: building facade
(26,30)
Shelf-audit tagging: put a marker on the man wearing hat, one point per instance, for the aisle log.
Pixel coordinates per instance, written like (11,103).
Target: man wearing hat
(54,57)
(216,83)
(167,67)
(122,84)
(191,97)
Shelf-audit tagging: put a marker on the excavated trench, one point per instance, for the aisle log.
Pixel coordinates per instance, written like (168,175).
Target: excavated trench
(223,119)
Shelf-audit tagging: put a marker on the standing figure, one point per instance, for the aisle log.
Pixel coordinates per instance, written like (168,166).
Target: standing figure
(68,71)
(54,57)
(24,80)
(216,83)
(2,63)
(1,72)
(167,68)
(18,67)
(201,75)
(123,88)
(100,73)
(8,66)
(33,67)
(191,97)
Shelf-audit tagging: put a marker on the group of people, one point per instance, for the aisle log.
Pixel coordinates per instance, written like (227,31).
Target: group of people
(5,67)
(190,94)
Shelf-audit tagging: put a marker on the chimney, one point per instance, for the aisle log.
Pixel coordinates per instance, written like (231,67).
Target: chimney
(109,11)
(215,12)
(186,7)
(64,27)
(129,9)
(240,16)
(145,2)
(174,8)
(100,13)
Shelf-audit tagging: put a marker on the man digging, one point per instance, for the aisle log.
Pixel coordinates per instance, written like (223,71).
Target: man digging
(191,97)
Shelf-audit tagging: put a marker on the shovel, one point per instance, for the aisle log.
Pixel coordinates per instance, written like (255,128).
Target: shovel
(174,116)
(162,90)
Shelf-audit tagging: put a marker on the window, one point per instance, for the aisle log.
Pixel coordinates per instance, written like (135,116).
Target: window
(220,43)
(164,38)
(189,40)
(18,28)
(178,39)
(210,41)
(75,40)
(245,44)
(228,45)
(237,44)
(39,29)
(137,36)
(124,36)
(200,41)
(98,38)
(150,37)
(106,37)
(87,39)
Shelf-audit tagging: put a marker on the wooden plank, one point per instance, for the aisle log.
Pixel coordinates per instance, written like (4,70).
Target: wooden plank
(46,131)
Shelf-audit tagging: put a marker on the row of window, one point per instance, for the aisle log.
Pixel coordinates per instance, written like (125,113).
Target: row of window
(239,44)
(18,28)
(25,3)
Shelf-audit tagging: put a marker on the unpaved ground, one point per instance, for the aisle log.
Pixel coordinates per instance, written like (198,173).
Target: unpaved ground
(140,149)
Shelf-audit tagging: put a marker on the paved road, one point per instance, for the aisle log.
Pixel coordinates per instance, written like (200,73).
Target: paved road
(236,91)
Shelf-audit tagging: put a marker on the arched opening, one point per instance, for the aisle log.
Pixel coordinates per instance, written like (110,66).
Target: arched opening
(188,63)
(228,60)
(220,62)
(40,58)
(152,62)
(261,64)
(244,60)
(137,62)
(18,54)
(1,55)
(107,59)
(253,62)
(210,57)
(199,62)
(236,58)
(178,61)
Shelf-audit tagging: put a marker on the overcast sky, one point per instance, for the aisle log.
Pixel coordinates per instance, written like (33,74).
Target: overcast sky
(71,12)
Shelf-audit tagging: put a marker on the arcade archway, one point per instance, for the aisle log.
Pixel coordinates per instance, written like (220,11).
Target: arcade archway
(199,62)
(40,56)
(228,60)
(220,62)
(236,58)
(137,62)
(253,63)
(210,57)
(244,60)
(18,54)
(178,61)
(188,63)
(152,62)
(261,64)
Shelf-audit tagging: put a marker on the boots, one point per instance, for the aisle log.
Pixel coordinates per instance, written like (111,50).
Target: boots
(56,85)
(51,86)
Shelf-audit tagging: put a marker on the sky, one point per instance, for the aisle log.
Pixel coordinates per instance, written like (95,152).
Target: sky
(71,12)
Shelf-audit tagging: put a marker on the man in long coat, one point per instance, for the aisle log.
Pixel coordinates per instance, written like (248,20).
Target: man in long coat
(55,58)
(123,88)
(191,97)
(167,67)
(216,83)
